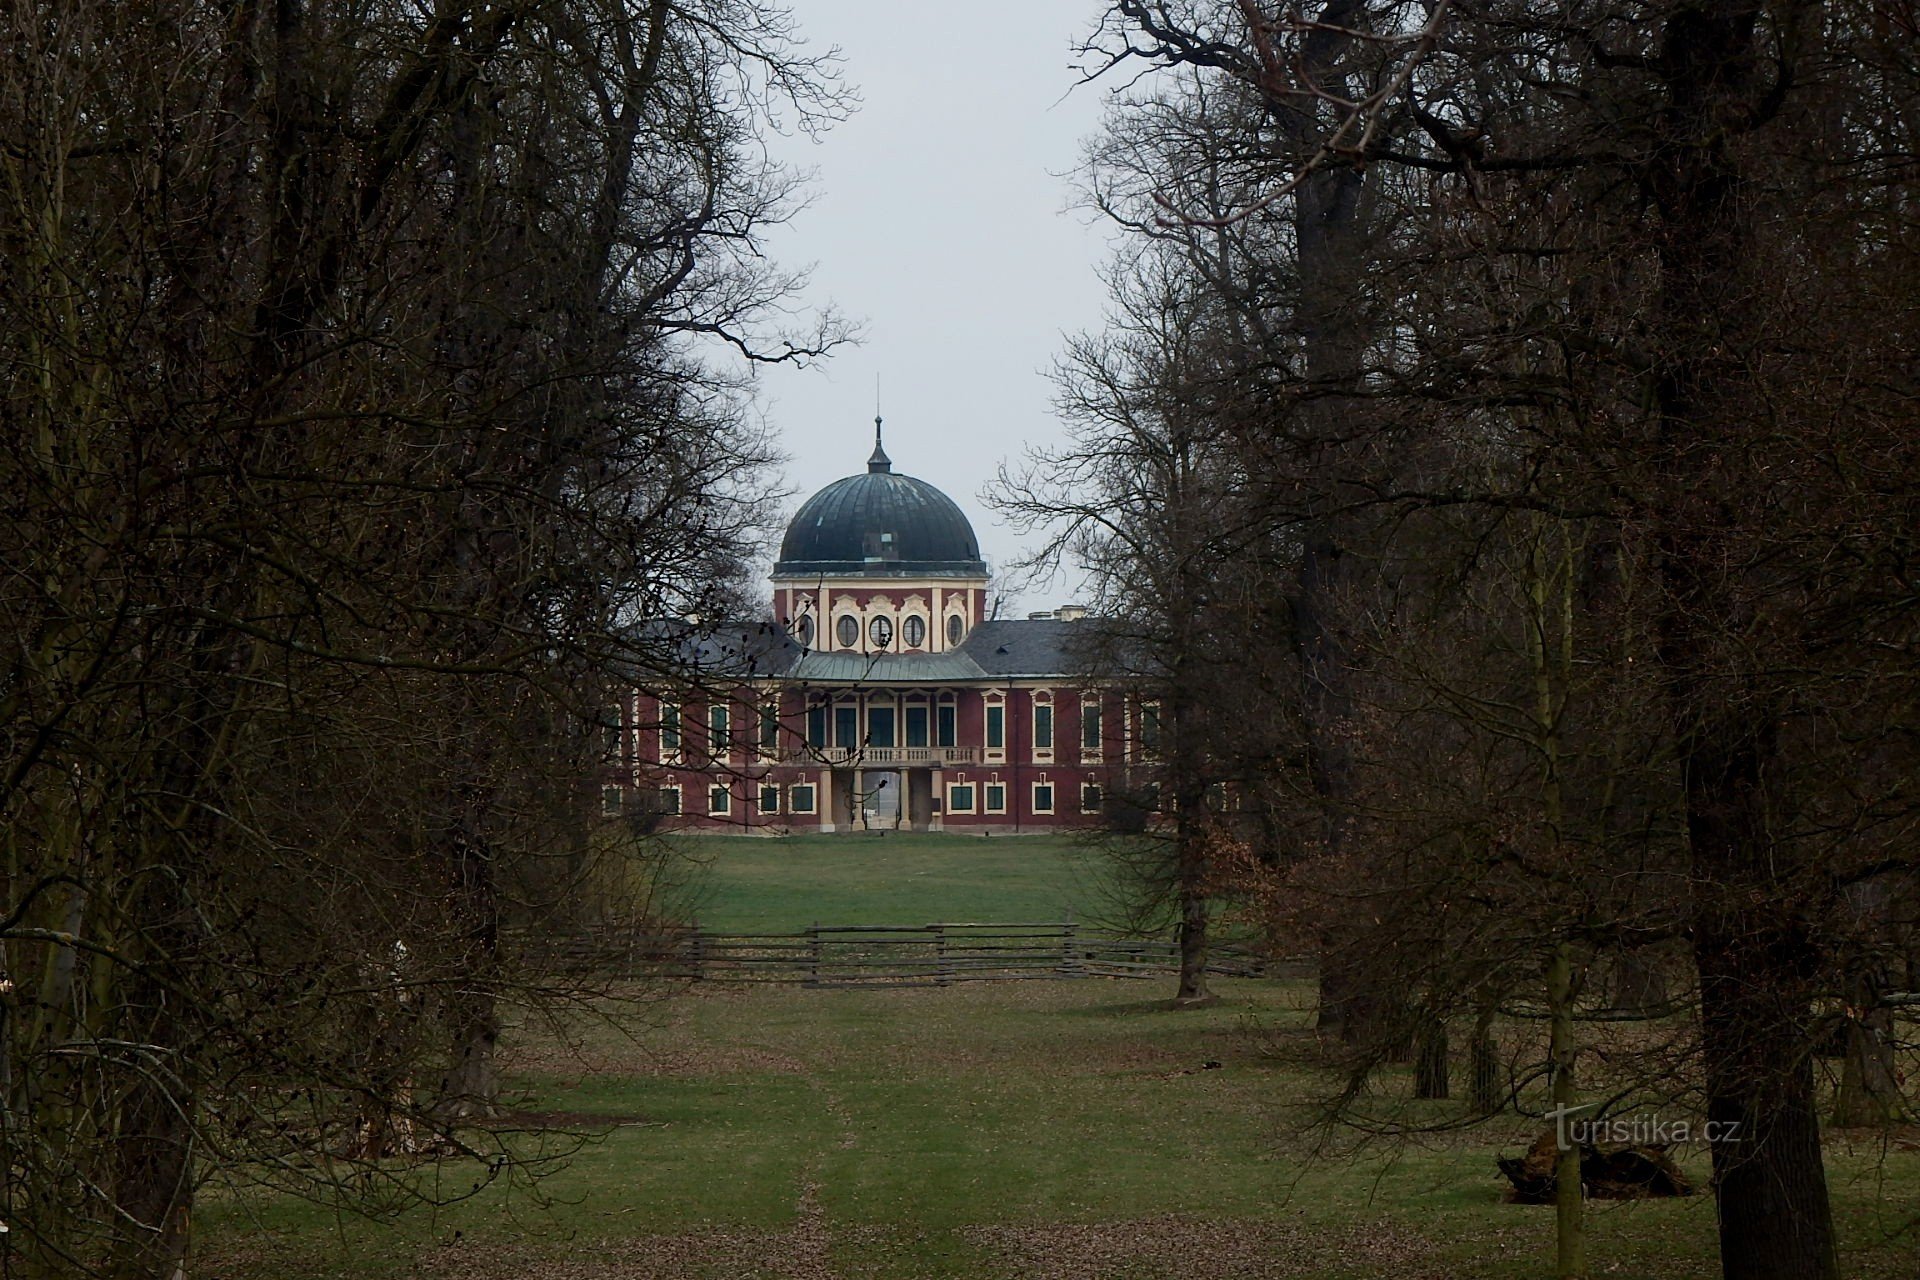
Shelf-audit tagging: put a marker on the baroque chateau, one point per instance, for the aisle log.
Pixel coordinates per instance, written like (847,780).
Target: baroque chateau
(882,695)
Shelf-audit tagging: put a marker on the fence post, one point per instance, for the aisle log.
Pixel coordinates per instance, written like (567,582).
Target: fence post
(943,975)
(1069,952)
(813,954)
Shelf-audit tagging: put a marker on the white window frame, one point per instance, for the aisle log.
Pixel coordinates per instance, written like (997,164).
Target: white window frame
(986,804)
(672,721)
(722,792)
(1033,796)
(973,791)
(793,804)
(761,799)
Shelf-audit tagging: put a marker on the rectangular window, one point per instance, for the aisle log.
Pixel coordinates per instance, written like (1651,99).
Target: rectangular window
(669,727)
(1150,728)
(800,798)
(719,729)
(719,801)
(609,802)
(610,732)
(1089,797)
(770,726)
(846,727)
(879,726)
(816,726)
(960,797)
(996,797)
(670,801)
(1089,726)
(996,727)
(769,799)
(1043,728)
(916,726)
(1043,797)
(946,726)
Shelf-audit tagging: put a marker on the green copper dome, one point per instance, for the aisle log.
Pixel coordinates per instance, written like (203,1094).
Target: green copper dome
(880,525)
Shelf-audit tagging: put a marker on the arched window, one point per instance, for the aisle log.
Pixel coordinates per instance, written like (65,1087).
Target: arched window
(880,631)
(956,627)
(848,630)
(914,631)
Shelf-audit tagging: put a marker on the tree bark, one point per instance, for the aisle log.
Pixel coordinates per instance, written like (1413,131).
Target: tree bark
(1430,1074)
(1751,945)
(1484,1067)
(1569,1211)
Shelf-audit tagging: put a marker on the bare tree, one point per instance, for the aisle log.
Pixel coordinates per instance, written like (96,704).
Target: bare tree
(358,396)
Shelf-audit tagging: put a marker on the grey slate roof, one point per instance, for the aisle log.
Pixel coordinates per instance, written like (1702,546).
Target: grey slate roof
(1029,647)
(886,668)
(995,651)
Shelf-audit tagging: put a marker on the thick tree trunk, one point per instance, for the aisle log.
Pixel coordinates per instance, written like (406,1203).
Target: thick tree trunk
(1775,1221)
(1869,1093)
(155,1183)
(1196,910)
(1753,950)
(471,1084)
(1639,987)
(1193,950)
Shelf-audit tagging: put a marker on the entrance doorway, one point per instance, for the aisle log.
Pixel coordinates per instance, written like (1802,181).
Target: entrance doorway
(880,791)
(920,799)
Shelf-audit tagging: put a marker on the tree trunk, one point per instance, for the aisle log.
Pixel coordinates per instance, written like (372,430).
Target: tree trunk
(1753,950)
(1775,1221)
(1569,1220)
(1193,951)
(471,1084)
(1639,987)
(1488,1096)
(1195,909)
(1430,1079)
(1869,1093)
(155,1184)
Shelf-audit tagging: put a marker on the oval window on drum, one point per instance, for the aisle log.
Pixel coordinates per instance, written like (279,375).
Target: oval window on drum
(955,628)
(914,631)
(848,630)
(880,631)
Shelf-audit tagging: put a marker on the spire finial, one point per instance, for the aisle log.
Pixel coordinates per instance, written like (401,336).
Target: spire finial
(879,461)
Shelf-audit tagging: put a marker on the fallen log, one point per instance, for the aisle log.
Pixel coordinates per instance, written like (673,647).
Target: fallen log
(1624,1173)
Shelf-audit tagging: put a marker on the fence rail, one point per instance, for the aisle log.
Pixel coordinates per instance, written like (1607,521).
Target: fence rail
(940,954)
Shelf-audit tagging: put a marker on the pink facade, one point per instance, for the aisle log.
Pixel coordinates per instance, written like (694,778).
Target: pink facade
(767,774)
(882,694)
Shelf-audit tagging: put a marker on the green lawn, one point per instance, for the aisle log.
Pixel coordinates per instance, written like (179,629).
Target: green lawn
(744,885)
(1047,1130)
(994,1132)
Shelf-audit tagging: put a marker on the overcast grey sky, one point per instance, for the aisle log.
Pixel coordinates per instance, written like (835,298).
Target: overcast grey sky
(940,221)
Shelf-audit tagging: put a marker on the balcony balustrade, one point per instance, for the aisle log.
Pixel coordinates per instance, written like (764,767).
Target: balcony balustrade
(881,757)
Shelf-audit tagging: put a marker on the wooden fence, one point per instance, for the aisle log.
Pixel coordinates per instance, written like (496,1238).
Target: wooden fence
(936,955)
